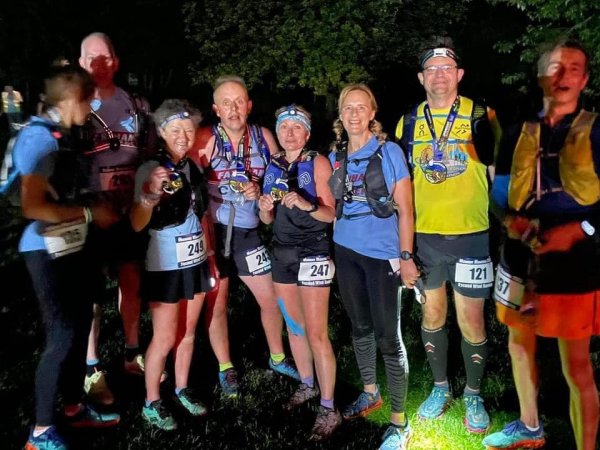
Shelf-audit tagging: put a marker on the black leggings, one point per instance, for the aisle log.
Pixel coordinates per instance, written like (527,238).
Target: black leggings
(62,289)
(369,290)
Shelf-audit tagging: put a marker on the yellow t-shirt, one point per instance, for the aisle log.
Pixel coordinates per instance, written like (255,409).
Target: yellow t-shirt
(450,185)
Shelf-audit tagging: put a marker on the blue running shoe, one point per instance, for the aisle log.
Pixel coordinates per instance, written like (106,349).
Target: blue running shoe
(363,405)
(157,415)
(229,383)
(48,440)
(396,438)
(286,367)
(436,404)
(188,400)
(476,419)
(515,435)
(91,418)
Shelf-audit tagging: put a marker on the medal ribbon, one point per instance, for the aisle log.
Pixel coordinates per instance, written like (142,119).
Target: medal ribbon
(439,144)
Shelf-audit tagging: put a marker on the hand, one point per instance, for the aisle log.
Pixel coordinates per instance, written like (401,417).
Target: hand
(292,199)
(251,191)
(158,177)
(521,228)
(559,239)
(409,273)
(266,203)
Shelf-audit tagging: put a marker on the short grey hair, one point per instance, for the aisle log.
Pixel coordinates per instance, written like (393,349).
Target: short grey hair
(173,106)
(103,37)
(228,79)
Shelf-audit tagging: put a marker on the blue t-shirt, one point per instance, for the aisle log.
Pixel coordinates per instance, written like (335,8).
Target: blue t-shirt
(33,145)
(369,235)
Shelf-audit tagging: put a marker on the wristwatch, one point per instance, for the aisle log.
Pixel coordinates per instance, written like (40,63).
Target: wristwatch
(405,255)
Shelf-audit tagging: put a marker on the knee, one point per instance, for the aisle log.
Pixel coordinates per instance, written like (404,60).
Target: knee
(318,340)
(388,345)
(578,373)
(434,317)
(164,342)
(187,339)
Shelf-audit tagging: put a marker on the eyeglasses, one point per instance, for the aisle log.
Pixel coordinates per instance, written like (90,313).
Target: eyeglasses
(443,68)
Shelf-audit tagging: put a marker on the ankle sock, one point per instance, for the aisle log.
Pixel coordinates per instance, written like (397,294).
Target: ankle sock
(327,403)
(225,366)
(277,357)
(309,381)
(92,366)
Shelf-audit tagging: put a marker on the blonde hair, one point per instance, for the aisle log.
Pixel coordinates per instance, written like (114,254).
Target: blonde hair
(375,126)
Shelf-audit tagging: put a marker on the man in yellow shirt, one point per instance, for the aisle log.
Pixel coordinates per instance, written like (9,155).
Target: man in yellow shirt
(449,144)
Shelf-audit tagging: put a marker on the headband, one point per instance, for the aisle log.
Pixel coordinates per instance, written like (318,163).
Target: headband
(291,113)
(440,51)
(179,115)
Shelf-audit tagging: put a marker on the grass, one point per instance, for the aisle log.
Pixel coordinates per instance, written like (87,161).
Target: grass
(257,420)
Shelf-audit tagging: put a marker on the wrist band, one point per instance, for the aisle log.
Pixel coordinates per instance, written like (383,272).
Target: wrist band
(87,214)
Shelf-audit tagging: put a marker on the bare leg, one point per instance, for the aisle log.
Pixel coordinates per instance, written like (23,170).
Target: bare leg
(297,332)
(189,312)
(584,406)
(129,304)
(262,288)
(164,330)
(315,304)
(216,321)
(92,349)
(522,346)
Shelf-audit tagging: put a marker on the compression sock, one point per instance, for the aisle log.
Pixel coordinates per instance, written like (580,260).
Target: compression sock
(436,349)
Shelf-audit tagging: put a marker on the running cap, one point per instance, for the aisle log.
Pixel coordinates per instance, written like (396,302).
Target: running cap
(293,113)
(179,115)
(438,51)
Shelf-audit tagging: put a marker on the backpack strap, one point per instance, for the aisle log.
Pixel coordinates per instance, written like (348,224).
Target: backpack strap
(261,142)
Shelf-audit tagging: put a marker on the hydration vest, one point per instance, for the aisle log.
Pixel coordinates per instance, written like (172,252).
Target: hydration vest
(575,161)
(296,176)
(377,195)
(173,208)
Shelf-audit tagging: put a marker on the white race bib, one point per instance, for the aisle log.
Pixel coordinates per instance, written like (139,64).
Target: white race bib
(191,249)
(316,271)
(258,260)
(474,273)
(508,289)
(65,238)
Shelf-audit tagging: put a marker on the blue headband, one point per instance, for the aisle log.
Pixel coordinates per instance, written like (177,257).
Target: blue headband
(440,51)
(179,115)
(291,113)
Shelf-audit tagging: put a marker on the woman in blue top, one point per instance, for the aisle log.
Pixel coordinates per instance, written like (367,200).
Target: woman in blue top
(54,250)
(373,249)
(297,199)
(169,204)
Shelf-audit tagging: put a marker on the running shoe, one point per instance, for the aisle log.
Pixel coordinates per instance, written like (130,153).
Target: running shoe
(229,383)
(303,394)
(363,405)
(97,390)
(515,435)
(89,417)
(396,438)
(48,440)
(159,416)
(286,367)
(194,406)
(136,367)
(476,419)
(327,421)
(436,404)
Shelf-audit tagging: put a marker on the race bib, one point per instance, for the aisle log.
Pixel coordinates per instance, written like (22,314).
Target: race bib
(316,271)
(258,260)
(65,238)
(508,289)
(191,249)
(474,273)
(117,178)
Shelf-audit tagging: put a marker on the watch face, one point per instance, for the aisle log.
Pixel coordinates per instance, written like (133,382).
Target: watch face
(588,228)
(405,255)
